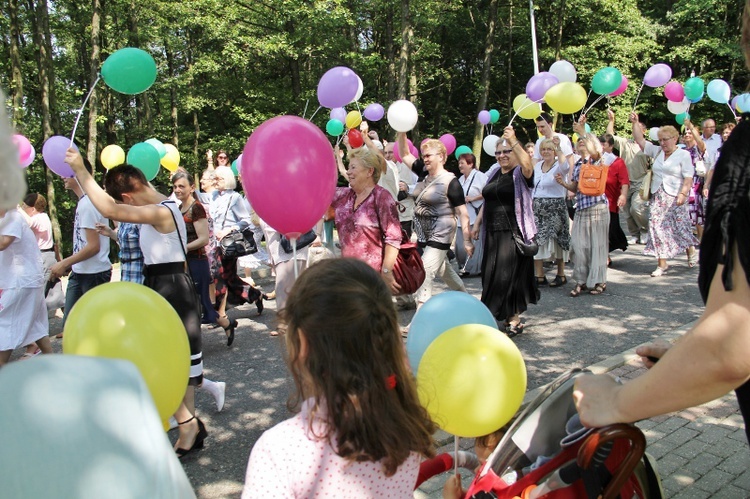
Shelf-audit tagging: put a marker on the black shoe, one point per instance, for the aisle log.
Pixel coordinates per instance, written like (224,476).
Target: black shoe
(259,304)
(542,281)
(229,330)
(199,438)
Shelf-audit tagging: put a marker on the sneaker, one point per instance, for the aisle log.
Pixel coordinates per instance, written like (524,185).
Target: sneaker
(217,389)
(632,240)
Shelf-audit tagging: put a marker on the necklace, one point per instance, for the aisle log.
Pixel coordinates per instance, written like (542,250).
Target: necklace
(184,209)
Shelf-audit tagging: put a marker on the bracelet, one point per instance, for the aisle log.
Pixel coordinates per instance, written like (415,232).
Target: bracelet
(514,145)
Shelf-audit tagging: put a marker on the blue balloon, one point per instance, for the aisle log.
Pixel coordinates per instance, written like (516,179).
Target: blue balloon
(743,103)
(439,314)
(697,99)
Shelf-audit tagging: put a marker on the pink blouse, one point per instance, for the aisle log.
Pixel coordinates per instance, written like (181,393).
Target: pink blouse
(290,461)
(362,230)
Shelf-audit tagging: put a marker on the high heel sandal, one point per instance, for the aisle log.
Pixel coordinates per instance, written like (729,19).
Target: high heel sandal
(692,258)
(229,330)
(199,438)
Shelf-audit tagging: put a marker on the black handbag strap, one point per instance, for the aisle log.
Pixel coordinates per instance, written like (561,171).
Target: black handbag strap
(179,237)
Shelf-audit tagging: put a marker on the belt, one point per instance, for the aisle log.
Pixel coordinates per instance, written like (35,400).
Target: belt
(129,260)
(164,269)
(47,250)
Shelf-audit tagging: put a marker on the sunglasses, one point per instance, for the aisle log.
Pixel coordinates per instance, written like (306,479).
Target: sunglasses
(504,151)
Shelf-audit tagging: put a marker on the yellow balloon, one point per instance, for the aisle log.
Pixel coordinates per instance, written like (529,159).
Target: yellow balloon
(112,156)
(353,119)
(526,108)
(472,380)
(566,97)
(575,138)
(171,160)
(124,320)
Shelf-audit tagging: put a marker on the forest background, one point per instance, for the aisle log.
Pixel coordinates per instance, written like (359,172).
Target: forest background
(227,66)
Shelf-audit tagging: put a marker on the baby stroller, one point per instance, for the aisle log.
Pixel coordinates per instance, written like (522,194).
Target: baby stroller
(546,446)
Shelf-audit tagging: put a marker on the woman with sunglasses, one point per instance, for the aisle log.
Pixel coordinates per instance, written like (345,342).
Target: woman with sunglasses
(508,284)
(551,212)
(670,232)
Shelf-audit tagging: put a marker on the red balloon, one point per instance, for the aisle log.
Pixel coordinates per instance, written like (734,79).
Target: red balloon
(289,174)
(355,138)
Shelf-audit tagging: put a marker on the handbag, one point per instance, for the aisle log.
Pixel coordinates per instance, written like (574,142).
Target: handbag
(303,241)
(593,179)
(524,249)
(700,168)
(237,243)
(645,191)
(408,269)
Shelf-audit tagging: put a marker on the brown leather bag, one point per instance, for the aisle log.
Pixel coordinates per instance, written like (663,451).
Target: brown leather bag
(593,179)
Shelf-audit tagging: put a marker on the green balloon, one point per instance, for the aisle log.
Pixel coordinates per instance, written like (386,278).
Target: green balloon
(334,128)
(606,80)
(462,150)
(234,168)
(494,116)
(159,146)
(694,88)
(680,118)
(129,71)
(146,158)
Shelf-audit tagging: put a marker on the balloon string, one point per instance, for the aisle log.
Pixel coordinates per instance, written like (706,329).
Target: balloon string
(594,103)
(635,102)
(80,111)
(294,257)
(313,114)
(455,454)
(305,111)
(524,107)
(731,109)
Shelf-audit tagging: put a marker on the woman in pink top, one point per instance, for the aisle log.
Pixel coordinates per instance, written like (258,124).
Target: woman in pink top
(366,215)
(360,431)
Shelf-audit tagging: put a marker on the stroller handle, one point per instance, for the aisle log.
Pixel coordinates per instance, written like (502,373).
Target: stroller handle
(605,435)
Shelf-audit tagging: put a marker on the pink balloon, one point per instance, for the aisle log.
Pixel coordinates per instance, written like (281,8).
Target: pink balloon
(23,145)
(674,91)
(449,141)
(53,152)
(621,89)
(289,174)
(412,150)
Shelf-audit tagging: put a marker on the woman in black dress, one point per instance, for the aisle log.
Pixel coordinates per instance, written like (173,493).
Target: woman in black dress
(508,284)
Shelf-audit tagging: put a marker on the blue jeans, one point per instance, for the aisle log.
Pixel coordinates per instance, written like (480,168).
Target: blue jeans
(78,284)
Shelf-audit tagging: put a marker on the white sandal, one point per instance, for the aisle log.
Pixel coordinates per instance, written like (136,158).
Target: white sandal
(660,271)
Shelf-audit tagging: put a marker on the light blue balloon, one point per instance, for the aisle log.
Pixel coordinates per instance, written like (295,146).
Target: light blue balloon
(743,103)
(439,314)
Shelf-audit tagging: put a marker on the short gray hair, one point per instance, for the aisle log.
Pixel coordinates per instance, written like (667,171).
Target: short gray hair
(227,175)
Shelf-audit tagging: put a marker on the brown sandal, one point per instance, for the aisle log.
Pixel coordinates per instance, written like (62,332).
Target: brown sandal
(599,289)
(580,288)
(558,281)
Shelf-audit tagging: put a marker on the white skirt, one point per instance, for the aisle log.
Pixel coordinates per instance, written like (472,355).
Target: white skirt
(23,317)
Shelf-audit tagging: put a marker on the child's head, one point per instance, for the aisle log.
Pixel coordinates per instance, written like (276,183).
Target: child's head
(344,350)
(485,445)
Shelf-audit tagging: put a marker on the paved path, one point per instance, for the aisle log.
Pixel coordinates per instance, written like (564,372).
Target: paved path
(562,332)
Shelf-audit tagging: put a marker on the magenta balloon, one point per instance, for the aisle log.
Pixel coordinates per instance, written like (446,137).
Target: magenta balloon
(289,173)
(674,91)
(539,84)
(338,87)
(484,117)
(657,75)
(53,153)
(449,141)
(339,113)
(621,89)
(374,112)
(413,150)
(23,145)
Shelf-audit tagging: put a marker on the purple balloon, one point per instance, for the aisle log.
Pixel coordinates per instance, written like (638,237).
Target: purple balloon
(339,113)
(53,152)
(484,117)
(374,112)
(657,75)
(539,84)
(338,87)
(449,141)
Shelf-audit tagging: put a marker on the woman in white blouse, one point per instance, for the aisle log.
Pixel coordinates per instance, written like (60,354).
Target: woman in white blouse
(472,182)
(670,231)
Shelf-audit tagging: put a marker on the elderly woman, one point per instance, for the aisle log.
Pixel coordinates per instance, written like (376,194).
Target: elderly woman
(551,212)
(472,182)
(697,148)
(508,284)
(669,230)
(591,224)
(366,215)
(438,199)
(229,212)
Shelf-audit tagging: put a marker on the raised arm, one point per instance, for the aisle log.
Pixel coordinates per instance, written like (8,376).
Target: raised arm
(637,131)
(610,122)
(403,149)
(523,158)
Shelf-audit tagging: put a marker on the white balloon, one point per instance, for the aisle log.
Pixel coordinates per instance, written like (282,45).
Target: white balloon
(402,115)
(653,133)
(360,89)
(564,71)
(678,107)
(489,143)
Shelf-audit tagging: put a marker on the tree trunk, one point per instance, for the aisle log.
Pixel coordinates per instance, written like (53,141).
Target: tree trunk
(197,130)
(15,63)
(403,59)
(489,47)
(172,94)
(509,104)
(390,55)
(560,20)
(96,15)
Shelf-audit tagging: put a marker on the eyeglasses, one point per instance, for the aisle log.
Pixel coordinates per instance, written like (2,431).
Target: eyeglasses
(429,155)
(222,156)
(662,141)
(503,151)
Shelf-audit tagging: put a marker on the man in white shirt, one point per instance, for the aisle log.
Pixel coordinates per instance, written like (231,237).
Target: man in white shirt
(544,126)
(89,264)
(712,140)
(407,179)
